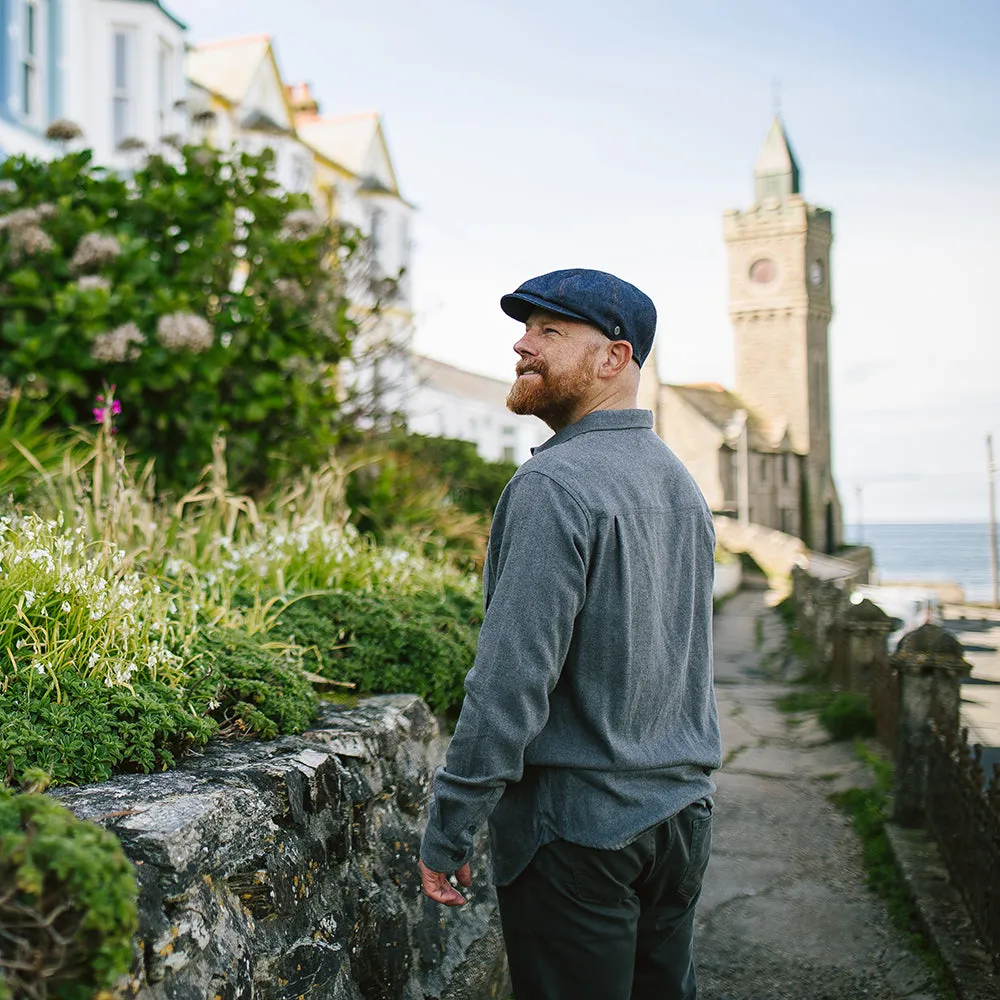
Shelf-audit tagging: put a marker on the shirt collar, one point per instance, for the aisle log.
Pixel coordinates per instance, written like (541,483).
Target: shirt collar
(600,420)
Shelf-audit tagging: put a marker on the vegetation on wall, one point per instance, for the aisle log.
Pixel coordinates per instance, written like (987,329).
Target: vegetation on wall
(68,905)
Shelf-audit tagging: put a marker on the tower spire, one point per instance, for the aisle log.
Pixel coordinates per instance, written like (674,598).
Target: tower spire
(776,174)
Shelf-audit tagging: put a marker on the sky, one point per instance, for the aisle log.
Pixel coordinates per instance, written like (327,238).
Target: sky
(539,135)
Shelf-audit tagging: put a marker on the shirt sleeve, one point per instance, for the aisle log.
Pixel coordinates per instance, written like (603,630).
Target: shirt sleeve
(536,582)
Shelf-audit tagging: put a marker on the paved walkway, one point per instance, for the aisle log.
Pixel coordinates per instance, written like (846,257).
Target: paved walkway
(786,913)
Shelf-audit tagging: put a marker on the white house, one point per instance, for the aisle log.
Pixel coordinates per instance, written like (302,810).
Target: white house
(237,97)
(113,67)
(450,402)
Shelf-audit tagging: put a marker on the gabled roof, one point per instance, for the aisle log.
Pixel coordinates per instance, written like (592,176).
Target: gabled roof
(228,67)
(776,158)
(353,141)
(244,73)
(719,407)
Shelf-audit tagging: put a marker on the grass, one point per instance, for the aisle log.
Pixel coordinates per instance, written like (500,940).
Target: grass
(109,593)
(869,809)
(733,752)
(843,714)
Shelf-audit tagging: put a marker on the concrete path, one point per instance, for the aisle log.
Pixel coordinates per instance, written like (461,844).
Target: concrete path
(785,913)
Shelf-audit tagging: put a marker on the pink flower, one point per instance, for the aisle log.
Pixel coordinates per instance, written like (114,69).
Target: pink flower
(99,411)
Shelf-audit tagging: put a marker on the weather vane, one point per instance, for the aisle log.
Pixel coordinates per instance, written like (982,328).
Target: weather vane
(776,95)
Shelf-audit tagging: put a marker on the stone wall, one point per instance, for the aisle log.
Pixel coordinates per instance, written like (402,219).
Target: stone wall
(287,869)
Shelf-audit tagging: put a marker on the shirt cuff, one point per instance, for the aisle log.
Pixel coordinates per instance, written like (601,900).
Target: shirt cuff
(440,855)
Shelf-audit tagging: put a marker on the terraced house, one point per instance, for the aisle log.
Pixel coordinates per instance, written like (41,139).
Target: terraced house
(115,68)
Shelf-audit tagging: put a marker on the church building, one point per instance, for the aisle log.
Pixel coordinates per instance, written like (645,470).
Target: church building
(763,451)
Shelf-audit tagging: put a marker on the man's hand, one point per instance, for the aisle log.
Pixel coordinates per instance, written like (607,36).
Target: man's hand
(437,887)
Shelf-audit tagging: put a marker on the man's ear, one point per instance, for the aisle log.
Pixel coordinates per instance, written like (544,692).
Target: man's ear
(617,359)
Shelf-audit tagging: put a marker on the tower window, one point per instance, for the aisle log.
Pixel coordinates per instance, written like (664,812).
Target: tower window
(763,271)
(784,467)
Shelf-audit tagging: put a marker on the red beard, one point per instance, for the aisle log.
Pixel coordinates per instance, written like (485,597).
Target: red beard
(552,398)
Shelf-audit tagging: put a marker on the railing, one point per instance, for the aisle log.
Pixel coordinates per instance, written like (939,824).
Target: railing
(963,814)
(915,696)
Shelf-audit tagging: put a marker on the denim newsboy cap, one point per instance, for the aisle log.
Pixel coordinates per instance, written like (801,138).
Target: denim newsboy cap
(619,310)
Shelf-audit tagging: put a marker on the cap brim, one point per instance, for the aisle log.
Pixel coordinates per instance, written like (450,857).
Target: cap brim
(520,305)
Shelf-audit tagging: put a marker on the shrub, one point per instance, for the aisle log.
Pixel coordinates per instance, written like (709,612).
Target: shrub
(436,488)
(258,687)
(210,297)
(423,643)
(68,906)
(847,715)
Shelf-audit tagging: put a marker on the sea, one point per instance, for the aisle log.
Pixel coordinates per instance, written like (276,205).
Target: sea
(932,553)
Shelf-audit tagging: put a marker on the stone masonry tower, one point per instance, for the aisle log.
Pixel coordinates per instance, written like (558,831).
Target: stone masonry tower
(780,306)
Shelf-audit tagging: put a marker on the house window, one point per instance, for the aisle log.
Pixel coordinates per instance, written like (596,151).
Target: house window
(509,450)
(29,66)
(784,467)
(164,63)
(763,470)
(375,235)
(121,85)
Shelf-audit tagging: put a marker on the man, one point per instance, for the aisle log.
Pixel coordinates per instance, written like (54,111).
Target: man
(589,729)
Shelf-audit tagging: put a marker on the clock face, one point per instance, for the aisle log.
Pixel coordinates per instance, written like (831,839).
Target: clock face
(816,273)
(763,271)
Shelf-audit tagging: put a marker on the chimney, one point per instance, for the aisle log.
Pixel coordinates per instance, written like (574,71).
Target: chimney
(301,99)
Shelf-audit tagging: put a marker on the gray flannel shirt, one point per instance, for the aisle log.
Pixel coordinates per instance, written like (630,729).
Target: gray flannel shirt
(589,713)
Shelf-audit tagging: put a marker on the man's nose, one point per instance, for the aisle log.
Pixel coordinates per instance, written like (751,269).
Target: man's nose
(523,346)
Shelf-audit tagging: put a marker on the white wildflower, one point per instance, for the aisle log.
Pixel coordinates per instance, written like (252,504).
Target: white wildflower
(65,607)
(120,344)
(29,598)
(37,667)
(182,331)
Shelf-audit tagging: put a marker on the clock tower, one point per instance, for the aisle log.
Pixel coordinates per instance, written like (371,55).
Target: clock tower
(780,306)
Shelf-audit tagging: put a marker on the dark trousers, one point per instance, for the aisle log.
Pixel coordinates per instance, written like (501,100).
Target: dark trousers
(587,924)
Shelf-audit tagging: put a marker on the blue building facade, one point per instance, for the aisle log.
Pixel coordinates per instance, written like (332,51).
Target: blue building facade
(31,73)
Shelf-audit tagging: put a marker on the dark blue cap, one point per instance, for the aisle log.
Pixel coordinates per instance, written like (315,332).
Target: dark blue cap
(619,310)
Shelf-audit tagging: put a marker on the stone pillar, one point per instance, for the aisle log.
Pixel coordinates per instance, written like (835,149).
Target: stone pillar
(831,604)
(860,646)
(931,668)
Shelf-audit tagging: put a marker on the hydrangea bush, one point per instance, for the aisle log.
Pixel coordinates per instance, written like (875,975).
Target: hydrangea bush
(209,296)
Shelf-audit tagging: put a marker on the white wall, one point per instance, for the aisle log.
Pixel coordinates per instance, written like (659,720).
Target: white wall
(89,73)
(492,428)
